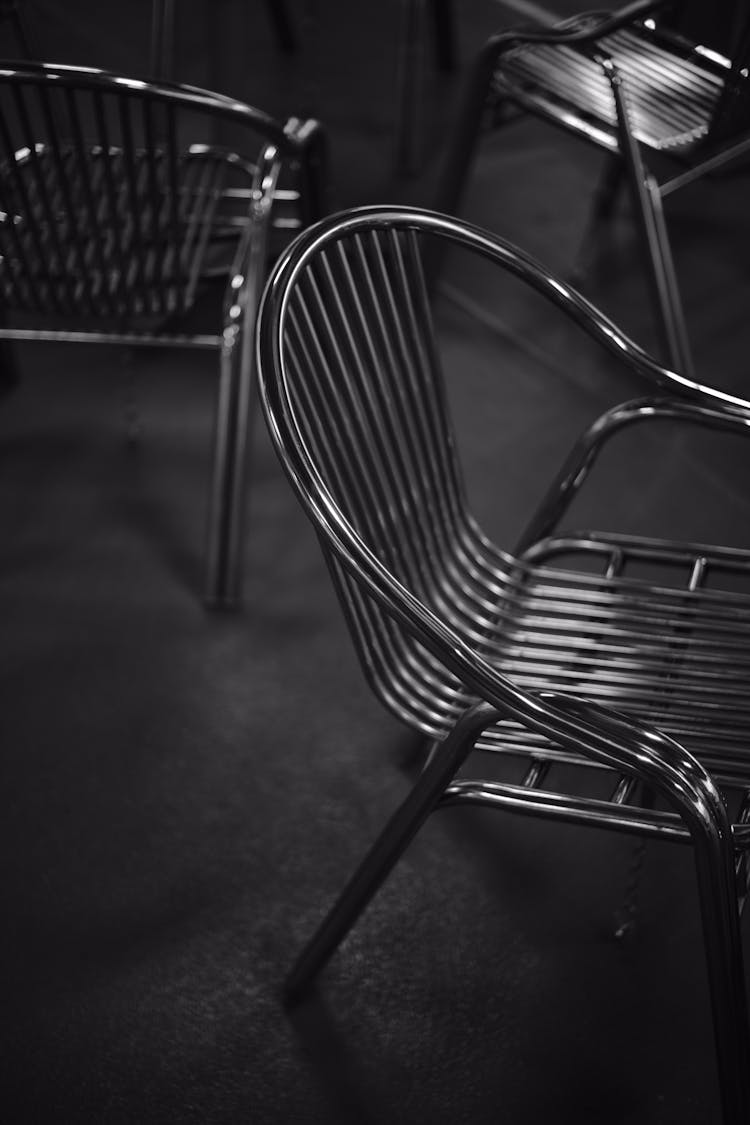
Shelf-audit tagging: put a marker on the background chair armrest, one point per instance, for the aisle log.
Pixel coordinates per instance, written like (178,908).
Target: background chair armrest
(585,452)
(585,28)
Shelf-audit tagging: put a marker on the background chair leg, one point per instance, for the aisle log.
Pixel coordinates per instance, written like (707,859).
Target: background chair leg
(650,218)
(226,516)
(162,61)
(388,848)
(462,143)
(675,330)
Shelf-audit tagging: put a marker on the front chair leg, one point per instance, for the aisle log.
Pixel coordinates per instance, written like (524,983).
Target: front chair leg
(389,846)
(236,400)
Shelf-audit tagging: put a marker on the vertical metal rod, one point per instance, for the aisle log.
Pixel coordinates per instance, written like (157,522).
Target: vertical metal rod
(95,229)
(151,157)
(77,280)
(33,286)
(138,263)
(163,39)
(174,266)
(647,203)
(122,293)
(236,400)
(39,210)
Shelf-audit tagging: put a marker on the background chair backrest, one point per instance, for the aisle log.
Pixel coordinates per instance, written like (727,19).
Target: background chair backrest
(101,204)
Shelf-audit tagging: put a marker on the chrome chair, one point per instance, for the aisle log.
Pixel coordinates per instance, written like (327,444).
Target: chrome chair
(114,216)
(630,84)
(564,652)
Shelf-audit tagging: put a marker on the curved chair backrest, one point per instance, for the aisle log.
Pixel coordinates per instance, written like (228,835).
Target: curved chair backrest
(356,404)
(103,197)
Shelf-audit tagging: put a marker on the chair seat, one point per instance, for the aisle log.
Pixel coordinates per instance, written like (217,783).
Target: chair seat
(671,97)
(671,649)
(105,263)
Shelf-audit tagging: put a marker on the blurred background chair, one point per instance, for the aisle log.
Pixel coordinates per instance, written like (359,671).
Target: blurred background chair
(115,217)
(639,85)
(626,658)
(163,34)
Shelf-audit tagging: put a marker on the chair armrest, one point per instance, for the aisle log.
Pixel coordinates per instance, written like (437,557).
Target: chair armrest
(585,452)
(617,741)
(652,756)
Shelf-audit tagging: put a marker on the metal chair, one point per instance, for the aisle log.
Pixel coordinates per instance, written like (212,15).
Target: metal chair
(633,86)
(114,217)
(562,653)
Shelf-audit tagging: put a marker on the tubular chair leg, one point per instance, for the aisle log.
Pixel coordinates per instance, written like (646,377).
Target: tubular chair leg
(388,848)
(723,945)
(464,136)
(661,273)
(162,39)
(313,173)
(650,218)
(233,423)
(674,318)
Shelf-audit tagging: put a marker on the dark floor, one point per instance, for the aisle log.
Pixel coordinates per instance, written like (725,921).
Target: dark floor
(184,792)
